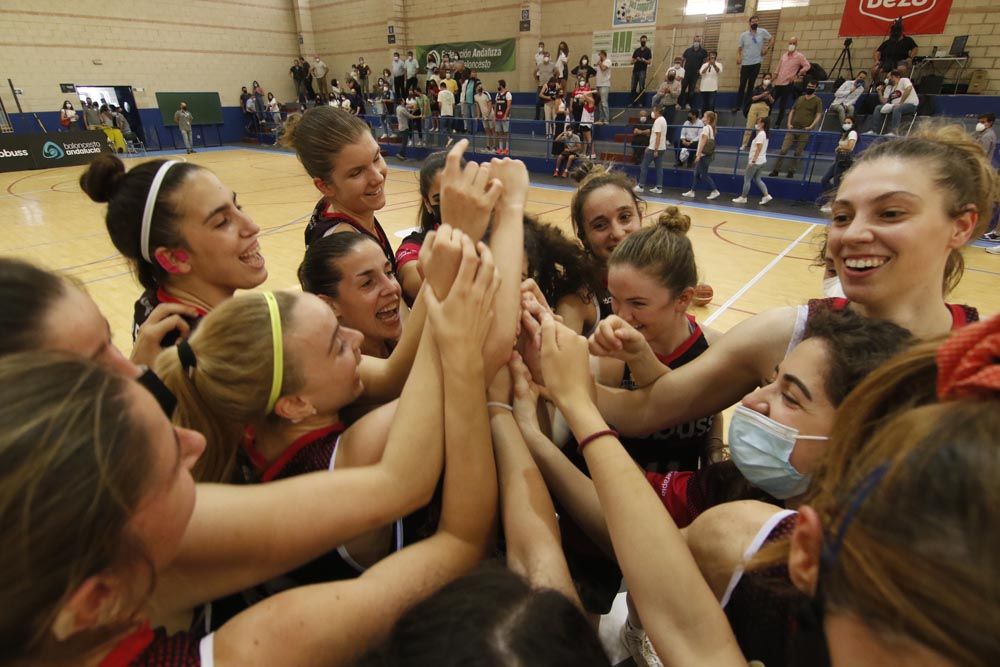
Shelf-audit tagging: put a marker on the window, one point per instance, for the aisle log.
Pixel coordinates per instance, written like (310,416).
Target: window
(767,5)
(706,7)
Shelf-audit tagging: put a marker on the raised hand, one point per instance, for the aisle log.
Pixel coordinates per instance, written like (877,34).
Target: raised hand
(565,364)
(616,338)
(468,195)
(164,319)
(525,401)
(440,257)
(514,177)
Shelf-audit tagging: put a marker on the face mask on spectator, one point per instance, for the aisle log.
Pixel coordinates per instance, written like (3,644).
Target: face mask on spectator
(980,127)
(810,91)
(582,83)
(643,118)
(847,126)
(753,26)
(545,59)
(584,62)
(767,82)
(696,44)
(791,48)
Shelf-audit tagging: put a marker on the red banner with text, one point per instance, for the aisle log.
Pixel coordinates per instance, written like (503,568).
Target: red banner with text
(873,17)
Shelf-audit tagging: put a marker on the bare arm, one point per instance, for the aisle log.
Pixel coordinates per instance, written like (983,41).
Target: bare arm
(384,378)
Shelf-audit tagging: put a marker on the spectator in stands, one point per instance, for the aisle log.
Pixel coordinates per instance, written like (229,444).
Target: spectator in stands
(67,116)
(364,71)
(244,95)
(571,150)
(806,115)
(898,50)
(587,125)
(704,155)
(484,108)
(641,132)
(694,58)
(91,116)
(411,67)
(753,47)
(423,105)
(549,95)
(258,95)
(562,62)
(667,94)
(469,85)
(582,89)
(446,100)
(274,108)
(678,67)
(183,118)
(298,72)
(603,83)
(502,107)
(451,83)
(433,88)
(847,96)
(544,72)
(398,71)
(641,59)
(319,72)
(755,162)
(106,118)
(540,80)
(121,122)
(710,72)
(386,97)
(792,66)
(897,98)
(986,137)
(842,161)
(654,153)
(761,101)
(404,114)
(583,70)
(335,87)
(688,142)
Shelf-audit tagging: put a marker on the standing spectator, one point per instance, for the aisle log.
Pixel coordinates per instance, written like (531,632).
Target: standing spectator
(251,112)
(398,71)
(654,153)
(847,96)
(587,125)
(423,110)
(432,94)
(756,161)
(603,87)
(258,98)
(274,108)
(307,70)
(710,72)
(67,116)
(183,118)
(121,122)
(641,58)
(543,73)
(244,94)
(581,90)
(986,137)
(386,98)
(319,72)
(364,71)
(694,58)
(411,67)
(791,67)
(668,93)
(91,116)
(562,62)
(540,56)
(805,116)
(404,114)
(583,70)
(897,98)
(760,107)
(641,132)
(898,50)
(754,45)
(690,132)
(298,77)
(842,161)
(571,150)
(502,108)
(549,96)
(446,100)
(484,106)
(450,83)
(704,156)
(469,86)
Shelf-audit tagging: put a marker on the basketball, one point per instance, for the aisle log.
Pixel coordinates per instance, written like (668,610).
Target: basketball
(703,295)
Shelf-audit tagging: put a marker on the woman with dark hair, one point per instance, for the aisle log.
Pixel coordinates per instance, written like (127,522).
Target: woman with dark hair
(756,160)
(843,158)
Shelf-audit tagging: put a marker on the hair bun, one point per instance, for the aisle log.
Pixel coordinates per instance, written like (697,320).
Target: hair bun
(673,220)
(101,179)
(585,169)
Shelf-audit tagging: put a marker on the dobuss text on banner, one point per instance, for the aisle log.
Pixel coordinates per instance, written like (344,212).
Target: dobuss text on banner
(632,13)
(874,17)
(620,44)
(490,56)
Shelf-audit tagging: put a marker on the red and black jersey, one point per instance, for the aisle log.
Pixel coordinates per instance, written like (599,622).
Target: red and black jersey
(678,447)
(152,298)
(604,307)
(323,221)
(148,648)
(687,494)
(409,249)
(961,315)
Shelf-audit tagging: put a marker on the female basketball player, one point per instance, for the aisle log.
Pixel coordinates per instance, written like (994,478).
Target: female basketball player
(855,549)
(110,458)
(428,219)
(901,216)
(180,228)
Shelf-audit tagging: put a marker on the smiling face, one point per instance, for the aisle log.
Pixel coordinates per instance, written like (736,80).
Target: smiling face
(891,235)
(356,185)
(326,353)
(641,300)
(221,245)
(797,397)
(609,215)
(368,296)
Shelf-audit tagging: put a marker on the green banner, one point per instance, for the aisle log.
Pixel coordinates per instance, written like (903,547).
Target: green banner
(498,55)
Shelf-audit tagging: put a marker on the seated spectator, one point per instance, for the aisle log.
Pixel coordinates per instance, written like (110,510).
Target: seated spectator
(641,132)
(897,98)
(689,139)
(571,150)
(847,96)
(843,159)
(898,50)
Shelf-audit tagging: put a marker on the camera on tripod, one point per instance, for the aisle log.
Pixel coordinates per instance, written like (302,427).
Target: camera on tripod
(848,42)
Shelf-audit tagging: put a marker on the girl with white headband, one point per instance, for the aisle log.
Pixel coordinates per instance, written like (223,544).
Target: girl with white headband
(189,242)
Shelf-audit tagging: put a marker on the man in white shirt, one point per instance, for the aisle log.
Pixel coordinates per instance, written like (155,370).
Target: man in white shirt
(410,67)
(710,72)
(446,100)
(897,98)
(319,72)
(654,153)
(540,57)
(689,138)
(603,83)
(847,96)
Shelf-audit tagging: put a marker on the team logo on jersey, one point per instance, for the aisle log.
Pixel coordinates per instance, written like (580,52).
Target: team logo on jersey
(52,151)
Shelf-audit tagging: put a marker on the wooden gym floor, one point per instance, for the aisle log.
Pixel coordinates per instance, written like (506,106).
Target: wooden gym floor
(753,260)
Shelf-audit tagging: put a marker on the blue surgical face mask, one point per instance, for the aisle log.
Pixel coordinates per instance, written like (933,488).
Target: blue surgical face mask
(762,448)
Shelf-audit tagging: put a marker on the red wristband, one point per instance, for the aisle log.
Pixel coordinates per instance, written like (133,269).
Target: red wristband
(594,436)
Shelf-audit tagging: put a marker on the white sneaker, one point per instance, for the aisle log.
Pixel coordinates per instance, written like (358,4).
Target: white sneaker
(713,194)
(740,200)
(871,132)
(995,250)
(826,208)
(689,194)
(890,134)
(765,199)
(656,191)
(639,646)
(638,188)
(384,136)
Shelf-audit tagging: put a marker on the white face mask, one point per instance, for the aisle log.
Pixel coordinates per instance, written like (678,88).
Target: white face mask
(847,126)
(832,288)
(642,119)
(697,45)
(791,47)
(582,83)
(541,48)
(585,61)
(545,59)
(980,127)
(767,82)
(762,448)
